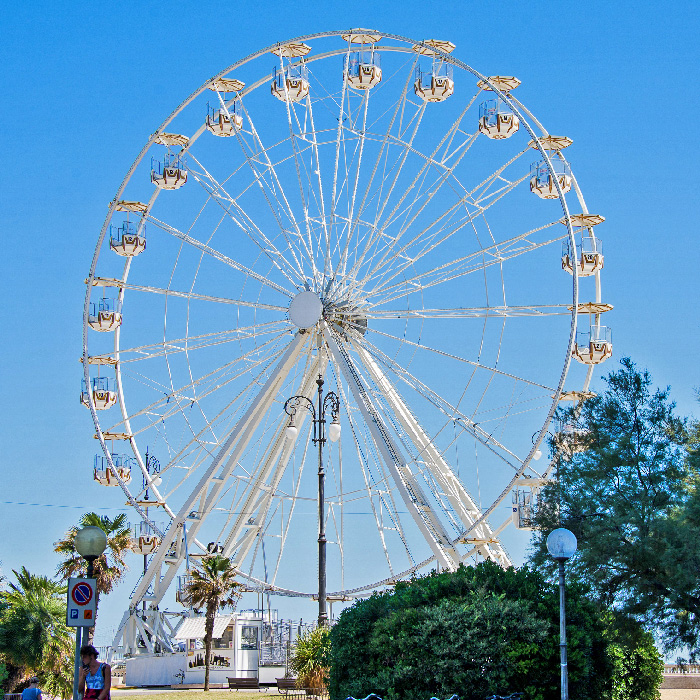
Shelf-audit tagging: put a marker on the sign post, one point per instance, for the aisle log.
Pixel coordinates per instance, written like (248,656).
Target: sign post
(81,608)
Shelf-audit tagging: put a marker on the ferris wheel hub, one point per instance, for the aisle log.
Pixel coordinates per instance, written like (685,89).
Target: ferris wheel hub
(305,310)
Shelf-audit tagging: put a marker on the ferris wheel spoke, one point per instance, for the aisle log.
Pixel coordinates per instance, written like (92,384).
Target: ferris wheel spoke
(292,118)
(219,256)
(396,112)
(247,364)
(377,232)
(275,190)
(220,418)
(375,494)
(247,224)
(319,197)
(494,254)
(459,153)
(448,410)
(224,198)
(192,296)
(360,134)
(474,312)
(450,356)
(406,260)
(189,343)
(339,140)
(466,199)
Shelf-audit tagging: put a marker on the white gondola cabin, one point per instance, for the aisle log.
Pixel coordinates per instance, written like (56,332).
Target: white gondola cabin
(181,595)
(594,345)
(170,173)
(105,315)
(523,509)
(122,464)
(223,122)
(102,391)
(128,239)
(434,84)
(363,69)
(589,254)
(496,119)
(291,83)
(144,540)
(569,438)
(543,184)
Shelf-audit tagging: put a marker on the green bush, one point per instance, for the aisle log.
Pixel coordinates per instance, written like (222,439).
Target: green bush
(477,631)
(311,659)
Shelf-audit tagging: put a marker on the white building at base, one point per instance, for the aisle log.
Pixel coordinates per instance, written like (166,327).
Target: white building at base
(246,644)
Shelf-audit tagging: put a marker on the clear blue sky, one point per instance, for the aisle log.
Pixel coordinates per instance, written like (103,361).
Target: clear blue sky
(84,85)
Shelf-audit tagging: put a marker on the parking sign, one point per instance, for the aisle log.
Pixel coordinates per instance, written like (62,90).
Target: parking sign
(81,607)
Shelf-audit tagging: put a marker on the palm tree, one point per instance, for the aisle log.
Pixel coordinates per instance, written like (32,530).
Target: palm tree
(211,586)
(109,567)
(33,631)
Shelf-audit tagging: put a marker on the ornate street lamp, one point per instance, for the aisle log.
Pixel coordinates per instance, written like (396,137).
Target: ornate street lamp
(328,403)
(561,545)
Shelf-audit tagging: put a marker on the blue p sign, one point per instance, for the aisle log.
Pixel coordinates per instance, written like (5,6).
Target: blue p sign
(74,614)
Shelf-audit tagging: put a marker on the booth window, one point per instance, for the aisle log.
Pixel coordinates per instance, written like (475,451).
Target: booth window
(249,637)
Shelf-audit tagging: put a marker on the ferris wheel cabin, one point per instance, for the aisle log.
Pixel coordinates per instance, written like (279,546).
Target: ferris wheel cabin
(105,315)
(589,253)
(102,391)
(223,122)
(127,240)
(496,119)
(144,540)
(170,173)
(122,464)
(594,345)
(291,83)
(543,184)
(434,84)
(569,439)
(363,69)
(523,509)
(181,594)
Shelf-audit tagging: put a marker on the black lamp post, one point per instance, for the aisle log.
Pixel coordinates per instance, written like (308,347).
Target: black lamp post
(328,403)
(561,545)
(89,542)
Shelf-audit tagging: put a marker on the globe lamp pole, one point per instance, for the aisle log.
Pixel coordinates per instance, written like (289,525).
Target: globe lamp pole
(561,545)
(90,542)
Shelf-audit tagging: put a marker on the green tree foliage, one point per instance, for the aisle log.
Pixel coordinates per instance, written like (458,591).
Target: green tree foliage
(212,586)
(311,660)
(34,637)
(109,567)
(476,631)
(631,498)
(637,664)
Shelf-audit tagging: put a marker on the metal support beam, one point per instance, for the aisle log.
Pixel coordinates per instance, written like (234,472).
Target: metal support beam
(408,487)
(461,501)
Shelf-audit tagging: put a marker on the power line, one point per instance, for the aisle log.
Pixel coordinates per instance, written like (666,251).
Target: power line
(56,505)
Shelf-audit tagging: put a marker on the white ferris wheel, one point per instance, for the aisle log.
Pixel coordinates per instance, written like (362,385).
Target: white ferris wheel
(367,209)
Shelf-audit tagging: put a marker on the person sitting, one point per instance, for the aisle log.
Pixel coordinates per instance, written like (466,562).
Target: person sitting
(33,692)
(95,677)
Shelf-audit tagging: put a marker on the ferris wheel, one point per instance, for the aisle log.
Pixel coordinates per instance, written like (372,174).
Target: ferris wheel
(367,210)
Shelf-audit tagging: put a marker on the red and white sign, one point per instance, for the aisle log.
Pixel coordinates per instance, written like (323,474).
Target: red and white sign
(81,606)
